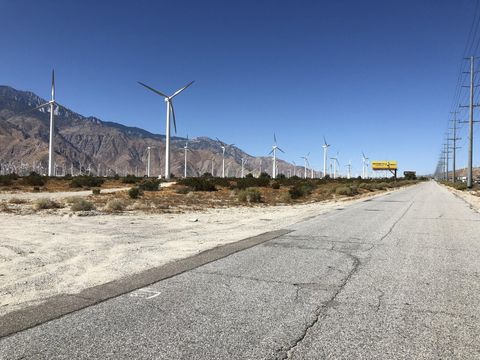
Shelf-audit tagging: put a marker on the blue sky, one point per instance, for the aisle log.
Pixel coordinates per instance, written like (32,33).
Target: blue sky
(372,75)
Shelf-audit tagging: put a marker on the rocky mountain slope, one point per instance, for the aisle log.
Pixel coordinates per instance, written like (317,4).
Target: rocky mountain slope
(85,144)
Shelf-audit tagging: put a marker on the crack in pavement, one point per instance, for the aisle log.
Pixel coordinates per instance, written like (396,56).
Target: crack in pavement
(324,306)
(396,222)
(318,285)
(320,312)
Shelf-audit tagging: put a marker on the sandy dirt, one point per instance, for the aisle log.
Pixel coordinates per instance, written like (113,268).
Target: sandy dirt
(53,195)
(43,255)
(471,197)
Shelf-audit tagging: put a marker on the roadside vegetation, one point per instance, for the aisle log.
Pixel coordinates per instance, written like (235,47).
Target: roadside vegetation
(190,194)
(458,185)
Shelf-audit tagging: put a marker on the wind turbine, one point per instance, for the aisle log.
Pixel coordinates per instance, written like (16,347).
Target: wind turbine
(349,166)
(52,103)
(213,164)
(335,163)
(274,152)
(306,163)
(244,161)
(364,165)
(223,146)
(169,102)
(148,160)
(294,168)
(185,148)
(325,147)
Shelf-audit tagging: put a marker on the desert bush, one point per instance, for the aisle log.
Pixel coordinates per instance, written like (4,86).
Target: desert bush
(134,193)
(115,205)
(86,181)
(276,185)
(96,191)
(42,204)
(199,184)
(264,175)
(218,181)
(149,185)
(130,179)
(250,195)
(34,179)
(80,204)
(252,182)
(346,190)
(17,201)
(6,180)
(182,189)
(458,186)
(301,189)
(382,186)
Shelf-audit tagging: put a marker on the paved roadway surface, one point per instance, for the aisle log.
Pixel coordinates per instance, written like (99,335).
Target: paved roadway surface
(395,277)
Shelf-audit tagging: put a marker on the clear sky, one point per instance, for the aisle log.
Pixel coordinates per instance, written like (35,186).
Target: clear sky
(374,75)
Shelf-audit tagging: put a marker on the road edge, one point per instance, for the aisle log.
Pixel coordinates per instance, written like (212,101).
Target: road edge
(60,305)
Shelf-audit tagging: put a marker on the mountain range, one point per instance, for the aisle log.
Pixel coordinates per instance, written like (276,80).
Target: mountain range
(88,144)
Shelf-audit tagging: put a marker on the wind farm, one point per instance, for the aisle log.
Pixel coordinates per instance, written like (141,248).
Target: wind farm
(239,180)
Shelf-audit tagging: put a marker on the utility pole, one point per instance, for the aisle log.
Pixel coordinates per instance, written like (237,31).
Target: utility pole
(471,107)
(454,147)
(446,152)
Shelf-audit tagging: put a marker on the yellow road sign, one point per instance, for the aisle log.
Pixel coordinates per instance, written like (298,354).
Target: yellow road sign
(384,165)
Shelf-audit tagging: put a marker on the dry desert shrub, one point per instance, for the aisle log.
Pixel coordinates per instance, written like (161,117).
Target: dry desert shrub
(115,205)
(80,204)
(250,195)
(44,203)
(17,201)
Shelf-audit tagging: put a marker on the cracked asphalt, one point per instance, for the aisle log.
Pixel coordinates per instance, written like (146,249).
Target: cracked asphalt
(393,277)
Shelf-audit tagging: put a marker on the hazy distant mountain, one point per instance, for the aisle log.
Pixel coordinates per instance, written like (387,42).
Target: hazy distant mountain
(84,142)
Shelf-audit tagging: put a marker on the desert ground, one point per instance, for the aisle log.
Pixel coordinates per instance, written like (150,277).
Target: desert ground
(46,252)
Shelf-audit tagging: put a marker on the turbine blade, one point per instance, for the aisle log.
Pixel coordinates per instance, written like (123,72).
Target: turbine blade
(274,139)
(180,90)
(36,108)
(271,152)
(325,141)
(173,115)
(280,150)
(152,89)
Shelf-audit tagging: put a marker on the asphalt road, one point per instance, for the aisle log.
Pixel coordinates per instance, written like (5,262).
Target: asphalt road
(394,277)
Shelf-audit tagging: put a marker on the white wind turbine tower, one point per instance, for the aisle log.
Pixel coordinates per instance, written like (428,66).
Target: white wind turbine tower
(244,161)
(223,146)
(185,148)
(335,163)
(349,166)
(306,163)
(52,103)
(148,160)
(325,147)
(169,102)
(274,153)
(364,165)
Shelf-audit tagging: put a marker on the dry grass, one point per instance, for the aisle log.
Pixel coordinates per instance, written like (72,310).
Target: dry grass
(115,205)
(17,201)
(44,204)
